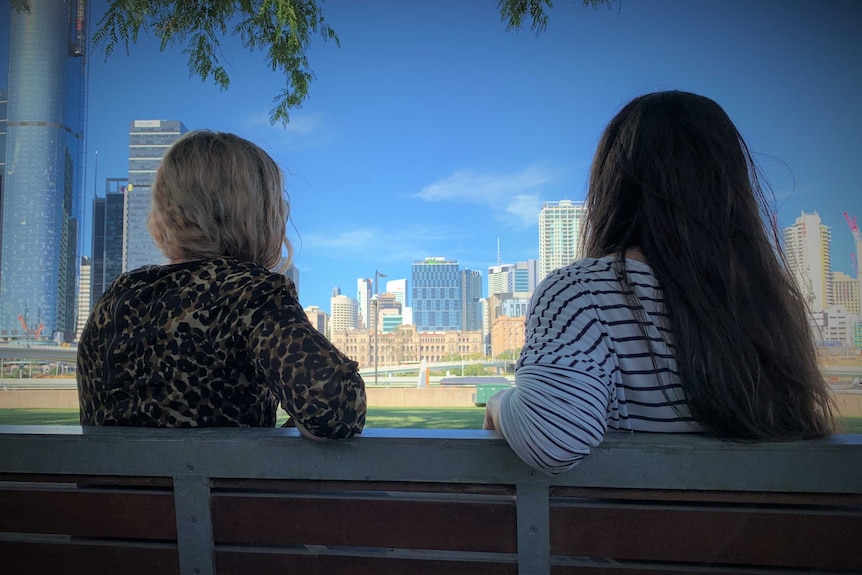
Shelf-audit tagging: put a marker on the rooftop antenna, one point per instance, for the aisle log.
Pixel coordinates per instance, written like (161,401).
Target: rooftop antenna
(499,261)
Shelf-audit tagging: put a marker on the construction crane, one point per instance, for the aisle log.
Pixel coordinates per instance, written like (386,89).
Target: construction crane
(23,323)
(854,228)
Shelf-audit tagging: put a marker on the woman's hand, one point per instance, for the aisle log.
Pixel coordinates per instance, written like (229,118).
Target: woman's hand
(492,411)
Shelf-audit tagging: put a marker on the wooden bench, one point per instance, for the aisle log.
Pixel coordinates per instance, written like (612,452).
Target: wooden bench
(265,501)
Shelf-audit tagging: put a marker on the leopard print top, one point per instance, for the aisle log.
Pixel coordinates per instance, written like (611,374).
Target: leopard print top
(212,343)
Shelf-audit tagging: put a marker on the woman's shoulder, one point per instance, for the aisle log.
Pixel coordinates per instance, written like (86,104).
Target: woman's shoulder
(599,270)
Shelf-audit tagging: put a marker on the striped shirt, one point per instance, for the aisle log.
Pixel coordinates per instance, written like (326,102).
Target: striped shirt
(586,366)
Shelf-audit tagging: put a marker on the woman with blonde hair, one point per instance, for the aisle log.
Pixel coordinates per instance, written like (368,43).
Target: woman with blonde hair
(683,316)
(214,338)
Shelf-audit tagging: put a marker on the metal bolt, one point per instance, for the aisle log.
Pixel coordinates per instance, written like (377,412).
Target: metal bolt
(193,519)
(533,529)
(190,466)
(532,473)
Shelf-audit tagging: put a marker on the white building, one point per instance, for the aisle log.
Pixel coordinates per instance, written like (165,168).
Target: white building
(363,300)
(399,288)
(84,303)
(343,313)
(807,246)
(559,235)
(834,324)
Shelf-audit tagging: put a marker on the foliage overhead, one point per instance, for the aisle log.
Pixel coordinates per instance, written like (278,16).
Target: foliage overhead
(280,28)
(513,12)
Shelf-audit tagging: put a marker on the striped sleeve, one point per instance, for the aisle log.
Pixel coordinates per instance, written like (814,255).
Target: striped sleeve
(558,409)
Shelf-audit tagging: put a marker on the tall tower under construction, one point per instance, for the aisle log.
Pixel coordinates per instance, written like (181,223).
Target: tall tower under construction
(42,188)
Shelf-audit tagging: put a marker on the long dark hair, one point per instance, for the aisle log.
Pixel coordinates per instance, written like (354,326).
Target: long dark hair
(673,177)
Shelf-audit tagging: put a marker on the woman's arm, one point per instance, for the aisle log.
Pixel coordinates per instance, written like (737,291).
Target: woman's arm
(315,383)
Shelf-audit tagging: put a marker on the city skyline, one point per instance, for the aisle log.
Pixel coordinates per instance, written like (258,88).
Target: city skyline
(411,147)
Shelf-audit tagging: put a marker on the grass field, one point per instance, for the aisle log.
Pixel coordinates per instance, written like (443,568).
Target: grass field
(399,417)
(416,417)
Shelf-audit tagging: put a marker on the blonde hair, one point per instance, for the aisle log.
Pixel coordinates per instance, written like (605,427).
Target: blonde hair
(218,195)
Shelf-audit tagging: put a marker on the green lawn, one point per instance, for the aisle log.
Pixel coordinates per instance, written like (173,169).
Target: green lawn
(415,417)
(405,417)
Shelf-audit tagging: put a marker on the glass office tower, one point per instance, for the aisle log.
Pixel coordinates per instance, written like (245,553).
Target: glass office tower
(436,295)
(148,142)
(107,261)
(471,293)
(44,167)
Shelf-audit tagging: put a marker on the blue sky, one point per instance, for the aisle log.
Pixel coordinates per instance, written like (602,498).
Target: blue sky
(432,131)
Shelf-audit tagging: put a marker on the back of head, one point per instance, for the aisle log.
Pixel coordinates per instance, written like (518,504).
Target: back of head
(673,177)
(219,195)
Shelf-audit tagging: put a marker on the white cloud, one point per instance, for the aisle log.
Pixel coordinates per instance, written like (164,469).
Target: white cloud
(387,245)
(514,195)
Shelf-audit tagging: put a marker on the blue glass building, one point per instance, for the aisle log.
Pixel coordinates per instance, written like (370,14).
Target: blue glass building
(107,262)
(44,167)
(436,295)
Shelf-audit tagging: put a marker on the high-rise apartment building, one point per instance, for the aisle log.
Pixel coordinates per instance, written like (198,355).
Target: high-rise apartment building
(559,235)
(436,295)
(107,262)
(363,299)
(84,299)
(44,172)
(148,142)
(318,318)
(807,247)
(343,314)
(845,292)
(471,294)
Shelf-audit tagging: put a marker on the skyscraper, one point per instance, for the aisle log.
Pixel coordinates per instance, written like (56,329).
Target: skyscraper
(363,299)
(84,300)
(436,295)
(500,279)
(44,165)
(559,235)
(471,293)
(3,103)
(343,313)
(318,318)
(107,262)
(148,142)
(399,288)
(807,246)
(526,276)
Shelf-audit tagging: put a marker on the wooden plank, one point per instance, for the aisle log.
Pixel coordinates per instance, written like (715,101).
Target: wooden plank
(456,525)
(97,513)
(709,535)
(101,480)
(299,486)
(663,495)
(28,558)
(239,563)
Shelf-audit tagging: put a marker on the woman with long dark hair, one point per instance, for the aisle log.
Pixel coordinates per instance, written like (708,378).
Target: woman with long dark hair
(683,316)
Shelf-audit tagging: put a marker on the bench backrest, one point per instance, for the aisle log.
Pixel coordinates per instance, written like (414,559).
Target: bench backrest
(196,502)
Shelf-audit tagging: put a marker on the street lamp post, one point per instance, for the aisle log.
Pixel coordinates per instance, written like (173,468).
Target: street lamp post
(375,309)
